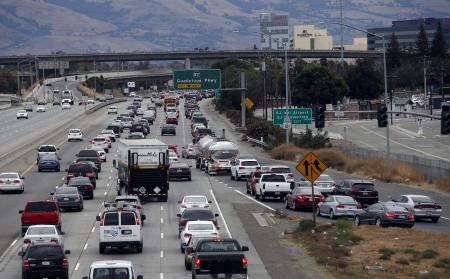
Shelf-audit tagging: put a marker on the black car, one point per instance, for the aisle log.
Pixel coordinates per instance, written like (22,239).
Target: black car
(92,163)
(136,135)
(117,128)
(49,161)
(83,170)
(84,186)
(363,191)
(56,103)
(68,197)
(179,171)
(45,260)
(96,160)
(200,119)
(385,214)
(168,129)
(138,128)
(195,214)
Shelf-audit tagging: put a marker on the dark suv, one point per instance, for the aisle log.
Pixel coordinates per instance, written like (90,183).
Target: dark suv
(363,191)
(81,169)
(45,260)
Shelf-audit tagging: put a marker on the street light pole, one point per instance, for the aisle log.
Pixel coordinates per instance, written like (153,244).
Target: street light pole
(342,36)
(288,128)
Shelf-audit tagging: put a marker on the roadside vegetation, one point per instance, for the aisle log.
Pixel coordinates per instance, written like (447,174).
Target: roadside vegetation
(347,251)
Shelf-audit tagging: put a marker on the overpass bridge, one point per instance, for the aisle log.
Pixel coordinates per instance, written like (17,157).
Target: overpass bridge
(188,55)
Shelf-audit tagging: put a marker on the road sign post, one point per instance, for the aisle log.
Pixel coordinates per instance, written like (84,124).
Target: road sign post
(197,79)
(311,167)
(296,116)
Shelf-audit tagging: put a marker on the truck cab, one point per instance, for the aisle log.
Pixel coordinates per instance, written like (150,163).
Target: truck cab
(272,185)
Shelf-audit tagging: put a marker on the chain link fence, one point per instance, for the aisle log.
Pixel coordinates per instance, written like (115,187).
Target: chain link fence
(433,169)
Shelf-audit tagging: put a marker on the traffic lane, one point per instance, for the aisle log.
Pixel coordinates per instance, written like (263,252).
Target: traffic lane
(39,185)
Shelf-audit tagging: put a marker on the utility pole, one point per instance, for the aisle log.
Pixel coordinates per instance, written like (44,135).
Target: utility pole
(342,35)
(288,129)
(263,68)
(243,88)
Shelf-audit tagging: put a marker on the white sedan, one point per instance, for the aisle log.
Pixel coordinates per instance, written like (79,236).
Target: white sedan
(40,108)
(197,228)
(193,202)
(22,114)
(65,106)
(173,157)
(11,181)
(42,234)
(101,152)
(112,110)
(75,134)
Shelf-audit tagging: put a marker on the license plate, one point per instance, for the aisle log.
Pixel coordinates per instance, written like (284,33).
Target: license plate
(178,170)
(365,193)
(277,193)
(429,212)
(8,182)
(350,212)
(66,199)
(126,231)
(401,216)
(46,263)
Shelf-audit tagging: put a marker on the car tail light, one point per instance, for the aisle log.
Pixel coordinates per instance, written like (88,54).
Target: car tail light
(437,206)
(26,263)
(16,181)
(340,206)
(27,241)
(54,240)
(242,168)
(359,206)
(206,206)
(411,216)
(65,262)
(87,187)
(89,174)
(389,214)
(183,222)
(190,149)
(418,206)
(300,197)
(244,261)
(70,175)
(187,235)
(138,206)
(290,174)
(138,221)
(1,181)
(354,192)
(102,222)
(375,193)
(197,262)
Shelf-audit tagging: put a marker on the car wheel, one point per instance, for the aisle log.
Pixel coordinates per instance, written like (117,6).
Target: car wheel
(253,192)
(139,249)
(287,204)
(294,206)
(435,219)
(187,266)
(189,178)
(256,196)
(24,275)
(181,249)
(39,170)
(318,213)
(263,198)
(231,176)
(357,220)
(80,207)
(332,214)
(91,196)
(247,189)
(237,176)
(378,223)
(58,169)
(107,150)
(101,249)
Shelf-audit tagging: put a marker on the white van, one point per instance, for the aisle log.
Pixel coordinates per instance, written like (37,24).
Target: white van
(112,269)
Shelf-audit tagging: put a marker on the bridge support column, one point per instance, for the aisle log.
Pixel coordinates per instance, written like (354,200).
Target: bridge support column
(187,63)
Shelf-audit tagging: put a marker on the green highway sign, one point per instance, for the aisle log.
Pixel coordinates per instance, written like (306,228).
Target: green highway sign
(217,95)
(197,79)
(296,116)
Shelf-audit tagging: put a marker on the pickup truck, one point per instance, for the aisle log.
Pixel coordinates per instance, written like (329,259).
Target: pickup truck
(272,185)
(40,213)
(47,149)
(219,256)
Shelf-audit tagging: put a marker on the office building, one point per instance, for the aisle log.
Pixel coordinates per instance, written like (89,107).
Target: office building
(307,37)
(274,31)
(407,31)
(358,44)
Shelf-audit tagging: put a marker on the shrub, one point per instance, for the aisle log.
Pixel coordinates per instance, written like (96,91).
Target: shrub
(386,253)
(309,140)
(286,152)
(333,157)
(444,183)
(429,254)
(305,225)
(443,263)
(402,261)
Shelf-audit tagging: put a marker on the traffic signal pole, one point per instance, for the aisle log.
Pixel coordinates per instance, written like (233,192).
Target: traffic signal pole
(388,141)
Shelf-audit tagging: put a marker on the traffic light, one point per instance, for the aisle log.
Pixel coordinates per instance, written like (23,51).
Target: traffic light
(382,116)
(445,120)
(319,117)
(76,77)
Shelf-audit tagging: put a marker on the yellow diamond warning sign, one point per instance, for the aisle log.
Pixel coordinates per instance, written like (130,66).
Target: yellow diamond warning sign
(311,167)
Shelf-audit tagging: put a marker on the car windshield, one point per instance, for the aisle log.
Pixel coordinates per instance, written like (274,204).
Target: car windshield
(9,175)
(345,199)
(422,200)
(200,227)
(195,200)
(111,273)
(67,190)
(45,251)
(363,186)
(41,230)
(197,214)
(218,246)
(281,170)
(273,178)
(394,208)
(73,131)
(249,163)
(40,206)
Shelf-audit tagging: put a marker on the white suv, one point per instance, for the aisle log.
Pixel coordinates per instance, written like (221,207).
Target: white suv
(281,169)
(112,110)
(121,226)
(75,134)
(243,167)
(112,269)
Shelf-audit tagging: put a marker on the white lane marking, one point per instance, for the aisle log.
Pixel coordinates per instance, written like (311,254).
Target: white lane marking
(107,184)
(220,212)
(162,208)
(162,220)
(220,182)
(252,199)
(77,266)
(225,184)
(162,254)
(93,229)
(85,247)
(105,193)
(14,242)
(109,178)
(62,178)
(111,170)
(230,187)
(162,235)
(161,275)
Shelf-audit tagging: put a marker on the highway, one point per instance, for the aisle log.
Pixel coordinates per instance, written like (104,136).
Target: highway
(161,257)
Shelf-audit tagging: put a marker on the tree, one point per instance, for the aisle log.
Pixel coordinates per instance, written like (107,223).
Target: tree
(438,49)
(317,85)
(393,53)
(364,81)
(422,42)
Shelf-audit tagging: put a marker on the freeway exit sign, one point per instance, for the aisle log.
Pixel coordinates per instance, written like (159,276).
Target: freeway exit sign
(296,116)
(197,79)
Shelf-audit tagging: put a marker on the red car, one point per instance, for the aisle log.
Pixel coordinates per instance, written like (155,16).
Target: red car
(252,179)
(301,198)
(172,120)
(173,147)
(40,213)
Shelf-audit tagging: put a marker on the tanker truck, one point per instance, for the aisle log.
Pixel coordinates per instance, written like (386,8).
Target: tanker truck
(215,155)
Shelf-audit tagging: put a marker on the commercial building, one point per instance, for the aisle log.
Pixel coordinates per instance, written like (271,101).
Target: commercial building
(274,31)
(307,37)
(358,44)
(407,31)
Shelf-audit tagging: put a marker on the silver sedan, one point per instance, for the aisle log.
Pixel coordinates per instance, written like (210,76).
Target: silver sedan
(423,207)
(11,181)
(334,206)
(42,234)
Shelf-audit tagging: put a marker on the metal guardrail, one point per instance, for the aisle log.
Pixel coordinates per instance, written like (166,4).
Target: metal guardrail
(258,142)
(101,105)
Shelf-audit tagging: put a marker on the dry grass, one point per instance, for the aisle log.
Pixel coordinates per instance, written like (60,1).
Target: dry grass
(287,152)
(443,184)
(407,253)
(86,91)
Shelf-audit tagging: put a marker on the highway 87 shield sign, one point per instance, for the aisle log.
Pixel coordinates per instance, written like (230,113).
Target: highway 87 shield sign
(311,167)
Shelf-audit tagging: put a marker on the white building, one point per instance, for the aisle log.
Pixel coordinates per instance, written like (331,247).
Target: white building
(358,44)
(307,37)
(274,29)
